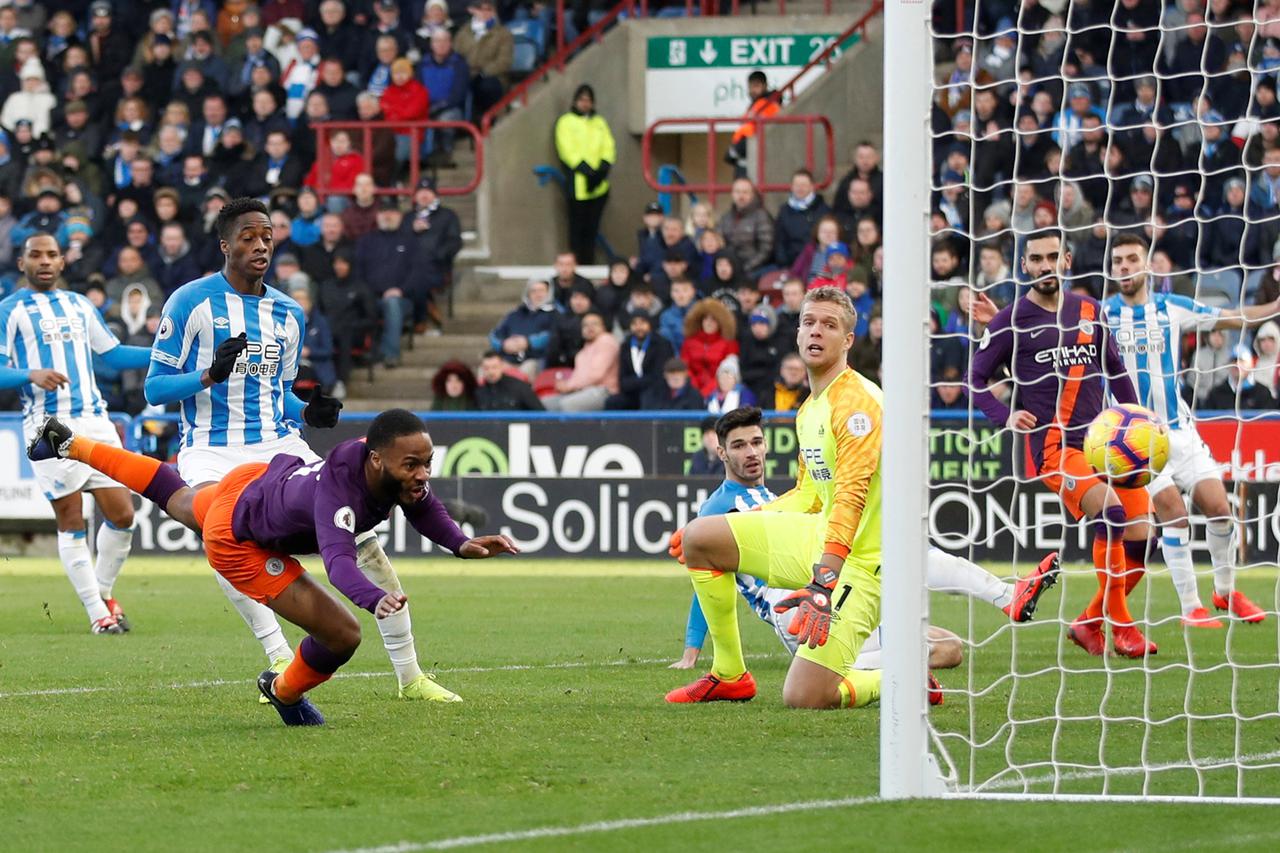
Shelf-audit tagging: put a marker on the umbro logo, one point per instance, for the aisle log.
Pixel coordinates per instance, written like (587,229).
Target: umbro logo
(280,331)
(221,323)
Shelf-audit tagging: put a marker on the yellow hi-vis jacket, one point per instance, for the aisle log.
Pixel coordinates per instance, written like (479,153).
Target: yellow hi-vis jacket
(585,140)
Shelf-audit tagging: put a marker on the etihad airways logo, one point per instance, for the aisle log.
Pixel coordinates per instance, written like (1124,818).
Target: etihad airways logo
(1069,356)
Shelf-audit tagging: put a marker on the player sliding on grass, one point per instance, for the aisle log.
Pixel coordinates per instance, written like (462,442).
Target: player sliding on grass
(821,539)
(1148,330)
(743,450)
(261,514)
(1063,364)
(228,348)
(48,338)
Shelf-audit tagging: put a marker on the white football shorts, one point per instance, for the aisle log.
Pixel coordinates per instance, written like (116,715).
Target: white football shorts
(200,465)
(61,477)
(1189,462)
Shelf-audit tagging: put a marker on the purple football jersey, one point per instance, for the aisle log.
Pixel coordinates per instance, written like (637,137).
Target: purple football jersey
(1063,366)
(296,508)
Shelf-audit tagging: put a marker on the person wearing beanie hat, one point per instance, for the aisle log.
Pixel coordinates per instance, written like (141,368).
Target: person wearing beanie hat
(586,149)
(32,101)
(730,393)
(836,271)
(759,349)
(641,363)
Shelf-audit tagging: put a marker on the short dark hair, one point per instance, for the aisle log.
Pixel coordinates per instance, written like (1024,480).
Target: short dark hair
(746,416)
(1045,234)
(233,210)
(708,424)
(757,77)
(392,424)
(798,172)
(1129,238)
(489,353)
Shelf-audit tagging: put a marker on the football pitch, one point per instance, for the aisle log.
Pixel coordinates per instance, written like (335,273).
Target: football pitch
(155,741)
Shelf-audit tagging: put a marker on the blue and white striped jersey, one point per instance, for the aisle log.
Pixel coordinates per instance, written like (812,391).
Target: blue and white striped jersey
(249,407)
(55,330)
(734,497)
(1148,337)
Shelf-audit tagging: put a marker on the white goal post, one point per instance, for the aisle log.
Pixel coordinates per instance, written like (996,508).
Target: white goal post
(1028,714)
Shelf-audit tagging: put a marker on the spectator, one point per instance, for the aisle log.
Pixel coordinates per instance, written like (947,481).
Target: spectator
(454,388)
(566,336)
(33,101)
(710,248)
(439,233)
(1266,343)
(1210,366)
(300,75)
(595,371)
(275,167)
(867,236)
(866,167)
(812,260)
(525,333)
(289,275)
(586,150)
(177,265)
(109,46)
(343,168)
(361,216)
(131,271)
(729,392)
(317,259)
(612,293)
(446,77)
(488,47)
(793,291)
(1240,391)
(748,229)
(863,303)
(405,99)
(725,277)
(759,350)
(649,237)
(709,337)
(864,357)
(339,37)
(835,272)
(698,221)
(659,260)
(858,205)
(201,55)
(385,258)
(796,219)
(644,354)
(705,461)
(305,226)
(231,157)
(138,236)
(351,308)
(949,393)
(318,347)
(382,140)
(790,388)
(674,392)
(502,392)
(340,94)
(255,56)
(375,68)
(567,278)
(388,25)
(671,321)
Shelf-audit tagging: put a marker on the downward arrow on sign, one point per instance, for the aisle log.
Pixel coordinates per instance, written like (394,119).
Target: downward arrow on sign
(708,53)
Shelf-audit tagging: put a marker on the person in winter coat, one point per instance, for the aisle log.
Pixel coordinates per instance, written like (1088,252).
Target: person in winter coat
(675,392)
(796,218)
(352,310)
(566,335)
(454,388)
(317,346)
(1266,369)
(595,371)
(585,146)
(747,229)
(177,264)
(760,351)
(502,392)
(710,334)
(812,260)
(671,321)
(489,49)
(344,165)
(33,101)
(789,388)
(406,99)
(447,77)
(613,293)
(522,337)
(729,392)
(640,364)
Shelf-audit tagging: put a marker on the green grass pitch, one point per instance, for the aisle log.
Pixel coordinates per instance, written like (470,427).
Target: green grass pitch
(154,741)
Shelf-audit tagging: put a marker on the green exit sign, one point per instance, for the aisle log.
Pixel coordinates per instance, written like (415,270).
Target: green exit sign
(760,51)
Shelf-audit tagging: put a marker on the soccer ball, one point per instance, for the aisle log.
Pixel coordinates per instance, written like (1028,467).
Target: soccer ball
(1127,445)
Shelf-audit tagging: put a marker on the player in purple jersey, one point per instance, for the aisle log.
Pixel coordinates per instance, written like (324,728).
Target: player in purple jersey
(1064,364)
(261,514)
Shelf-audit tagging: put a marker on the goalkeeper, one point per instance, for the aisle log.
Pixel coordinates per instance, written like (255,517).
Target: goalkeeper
(821,539)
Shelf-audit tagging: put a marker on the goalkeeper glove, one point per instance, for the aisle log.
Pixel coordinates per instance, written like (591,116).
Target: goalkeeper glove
(812,623)
(676,548)
(322,411)
(224,357)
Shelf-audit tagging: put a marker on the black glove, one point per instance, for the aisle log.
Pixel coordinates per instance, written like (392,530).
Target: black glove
(224,357)
(322,412)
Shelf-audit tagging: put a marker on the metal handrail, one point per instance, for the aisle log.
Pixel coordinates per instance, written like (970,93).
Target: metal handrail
(713,188)
(417,131)
(826,55)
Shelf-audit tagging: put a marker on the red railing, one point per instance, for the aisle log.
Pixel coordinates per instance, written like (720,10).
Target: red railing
(788,89)
(713,188)
(363,131)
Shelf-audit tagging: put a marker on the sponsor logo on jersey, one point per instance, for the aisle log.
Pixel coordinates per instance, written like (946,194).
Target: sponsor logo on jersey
(274,566)
(859,424)
(1068,356)
(815,464)
(221,323)
(64,330)
(345,519)
(1138,340)
(165,330)
(1086,328)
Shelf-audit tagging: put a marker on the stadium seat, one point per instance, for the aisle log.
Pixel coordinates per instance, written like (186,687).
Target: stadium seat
(545,383)
(771,286)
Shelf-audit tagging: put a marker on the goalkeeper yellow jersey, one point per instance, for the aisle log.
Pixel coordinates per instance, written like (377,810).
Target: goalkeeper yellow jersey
(839,435)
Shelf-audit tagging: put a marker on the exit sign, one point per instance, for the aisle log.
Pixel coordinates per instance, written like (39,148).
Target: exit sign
(766,51)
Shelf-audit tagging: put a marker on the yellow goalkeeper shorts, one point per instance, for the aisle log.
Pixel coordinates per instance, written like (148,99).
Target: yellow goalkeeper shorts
(781,548)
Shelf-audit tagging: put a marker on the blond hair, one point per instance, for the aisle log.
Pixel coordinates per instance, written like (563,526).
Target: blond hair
(837,297)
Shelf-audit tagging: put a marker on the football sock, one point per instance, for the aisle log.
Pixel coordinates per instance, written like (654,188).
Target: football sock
(1108,561)
(396,629)
(154,480)
(114,545)
(1135,563)
(73,549)
(948,573)
(1220,532)
(260,619)
(1176,544)
(859,687)
(718,596)
(313,665)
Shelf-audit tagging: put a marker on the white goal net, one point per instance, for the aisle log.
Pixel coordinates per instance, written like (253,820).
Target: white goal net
(1095,120)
